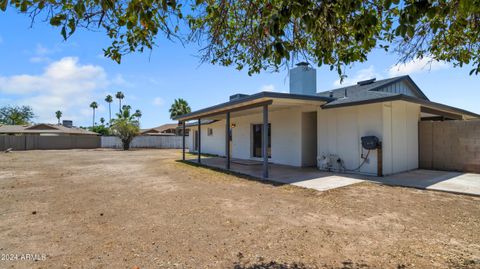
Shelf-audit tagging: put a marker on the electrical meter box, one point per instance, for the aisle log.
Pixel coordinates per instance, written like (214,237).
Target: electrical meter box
(370,142)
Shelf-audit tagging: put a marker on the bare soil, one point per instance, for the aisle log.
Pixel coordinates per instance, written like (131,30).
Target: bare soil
(143,209)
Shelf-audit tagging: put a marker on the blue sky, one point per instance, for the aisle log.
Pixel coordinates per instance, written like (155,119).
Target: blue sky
(39,69)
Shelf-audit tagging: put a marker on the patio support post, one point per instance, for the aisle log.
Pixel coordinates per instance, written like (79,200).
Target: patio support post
(227,141)
(265,141)
(199,141)
(183,140)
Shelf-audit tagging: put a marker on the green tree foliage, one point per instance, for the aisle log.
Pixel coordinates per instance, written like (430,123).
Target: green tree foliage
(93,106)
(58,115)
(100,129)
(268,34)
(125,126)
(16,115)
(109,100)
(138,115)
(178,108)
(119,96)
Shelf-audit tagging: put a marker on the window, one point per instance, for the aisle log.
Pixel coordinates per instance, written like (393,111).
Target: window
(257,130)
(209,131)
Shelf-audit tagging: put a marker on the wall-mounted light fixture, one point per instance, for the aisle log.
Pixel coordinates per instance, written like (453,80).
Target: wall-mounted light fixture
(233,125)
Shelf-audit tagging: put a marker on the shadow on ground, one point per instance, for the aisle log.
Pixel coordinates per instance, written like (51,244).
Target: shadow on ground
(467,264)
(234,173)
(276,265)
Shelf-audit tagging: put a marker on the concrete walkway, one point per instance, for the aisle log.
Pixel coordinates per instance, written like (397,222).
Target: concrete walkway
(456,182)
(312,178)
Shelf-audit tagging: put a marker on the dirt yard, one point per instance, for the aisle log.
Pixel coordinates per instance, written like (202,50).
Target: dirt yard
(115,209)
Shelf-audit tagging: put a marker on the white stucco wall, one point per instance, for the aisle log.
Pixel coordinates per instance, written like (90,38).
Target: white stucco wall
(286,136)
(400,144)
(394,123)
(340,129)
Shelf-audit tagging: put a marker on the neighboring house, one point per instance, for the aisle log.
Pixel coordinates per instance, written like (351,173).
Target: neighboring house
(44,129)
(47,136)
(306,128)
(166,129)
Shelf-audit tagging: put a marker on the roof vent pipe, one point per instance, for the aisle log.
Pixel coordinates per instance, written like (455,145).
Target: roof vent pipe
(331,94)
(346,93)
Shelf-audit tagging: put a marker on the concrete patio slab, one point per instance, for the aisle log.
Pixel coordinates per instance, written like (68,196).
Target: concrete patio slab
(456,182)
(327,182)
(312,178)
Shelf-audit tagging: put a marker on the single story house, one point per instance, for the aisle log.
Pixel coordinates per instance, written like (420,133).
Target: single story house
(44,129)
(165,129)
(47,136)
(369,128)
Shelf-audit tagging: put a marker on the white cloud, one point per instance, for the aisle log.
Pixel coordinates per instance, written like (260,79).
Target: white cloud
(119,80)
(40,59)
(158,101)
(41,54)
(416,66)
(42,50)
(267,88)
(362,74)
(64,85)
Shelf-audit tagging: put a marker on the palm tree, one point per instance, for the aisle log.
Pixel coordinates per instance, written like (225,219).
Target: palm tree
(102,120)
(179,107)
(120,96)
(109,100)
(138,115)
(94,106)
(58,114)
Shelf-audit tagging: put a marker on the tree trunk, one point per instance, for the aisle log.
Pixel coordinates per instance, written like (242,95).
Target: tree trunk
(126,144)
(110,113)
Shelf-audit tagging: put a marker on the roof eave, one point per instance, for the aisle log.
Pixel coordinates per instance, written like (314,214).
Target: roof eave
(402,97)
(255,97)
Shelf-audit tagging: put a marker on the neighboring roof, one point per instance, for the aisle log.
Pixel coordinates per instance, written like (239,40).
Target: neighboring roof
(160,129)
(254,97)
(195,123)
(43,128)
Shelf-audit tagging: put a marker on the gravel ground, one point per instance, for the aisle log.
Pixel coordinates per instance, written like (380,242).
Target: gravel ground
(143,209)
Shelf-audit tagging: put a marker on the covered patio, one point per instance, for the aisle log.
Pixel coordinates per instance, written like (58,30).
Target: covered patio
(260,104)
